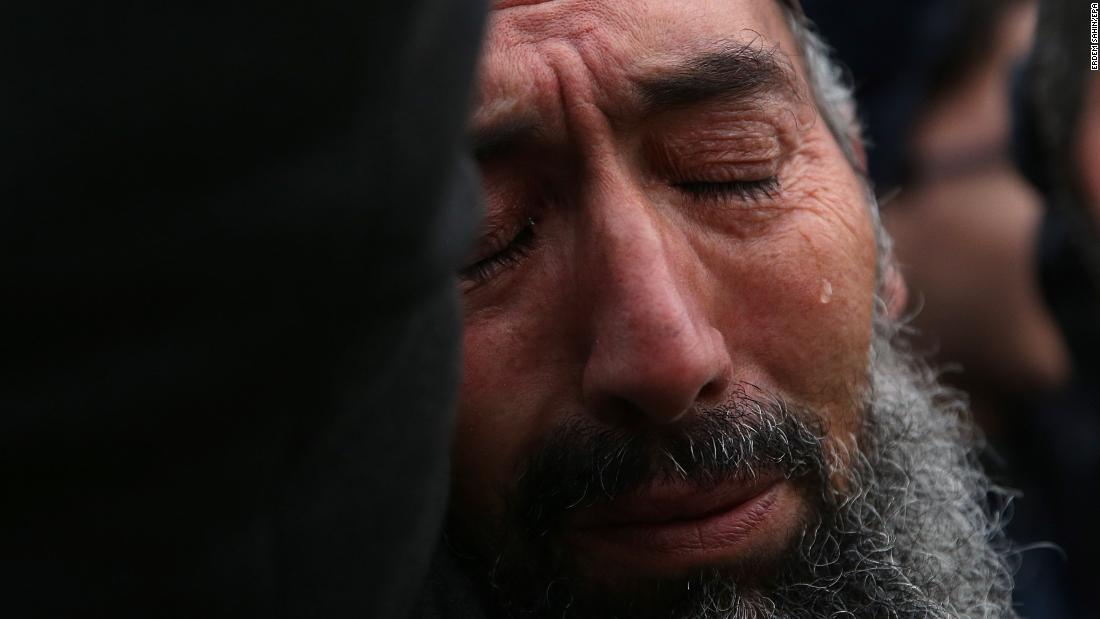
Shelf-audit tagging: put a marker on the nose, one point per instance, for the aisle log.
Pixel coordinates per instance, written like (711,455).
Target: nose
(654,353)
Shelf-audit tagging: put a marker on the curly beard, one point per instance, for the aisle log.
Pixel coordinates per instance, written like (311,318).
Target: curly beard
(902,524)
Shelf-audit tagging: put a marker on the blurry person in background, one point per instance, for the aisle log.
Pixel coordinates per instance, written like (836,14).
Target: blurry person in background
(999,257)
(1058,147)
(1088,147)
(965,221)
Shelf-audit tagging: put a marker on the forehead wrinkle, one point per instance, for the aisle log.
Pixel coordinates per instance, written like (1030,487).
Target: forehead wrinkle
(511,102)
(586,116)
(564,97)
(626,82)
(562,19)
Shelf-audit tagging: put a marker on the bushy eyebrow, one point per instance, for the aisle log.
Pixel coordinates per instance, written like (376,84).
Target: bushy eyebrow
(741,72)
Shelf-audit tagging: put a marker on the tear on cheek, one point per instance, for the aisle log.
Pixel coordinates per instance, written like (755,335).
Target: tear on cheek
(826,291)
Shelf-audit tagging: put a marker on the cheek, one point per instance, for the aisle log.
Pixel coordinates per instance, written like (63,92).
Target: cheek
(817,319)
(799,303)
(505,398)
(489,423)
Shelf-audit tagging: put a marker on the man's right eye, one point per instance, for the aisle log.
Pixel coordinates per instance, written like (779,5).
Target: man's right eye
(507,255)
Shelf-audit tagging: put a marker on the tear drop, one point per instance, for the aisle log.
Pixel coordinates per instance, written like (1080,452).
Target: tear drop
(826,291)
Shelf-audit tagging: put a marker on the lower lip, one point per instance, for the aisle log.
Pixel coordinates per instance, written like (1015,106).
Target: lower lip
(665,546)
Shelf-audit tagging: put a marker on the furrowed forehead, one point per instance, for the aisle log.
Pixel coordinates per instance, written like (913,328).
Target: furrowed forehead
(659,54)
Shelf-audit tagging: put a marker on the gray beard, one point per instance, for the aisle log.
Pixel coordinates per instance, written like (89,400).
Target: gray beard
(906,524)
(916,531)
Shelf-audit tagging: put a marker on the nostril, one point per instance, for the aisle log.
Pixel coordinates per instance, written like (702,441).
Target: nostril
(712,391)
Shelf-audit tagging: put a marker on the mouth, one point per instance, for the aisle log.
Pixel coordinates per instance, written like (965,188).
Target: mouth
(671,528)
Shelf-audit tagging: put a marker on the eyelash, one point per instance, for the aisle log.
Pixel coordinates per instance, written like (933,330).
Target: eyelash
(749,191)
(515,250)
(511,254)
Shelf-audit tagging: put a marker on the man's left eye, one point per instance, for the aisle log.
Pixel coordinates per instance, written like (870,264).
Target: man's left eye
(749,191)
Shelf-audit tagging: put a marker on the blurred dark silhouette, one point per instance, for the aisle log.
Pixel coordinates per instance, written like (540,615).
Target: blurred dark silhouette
(230,328)
(965,220)
(984,169)
(1058,147)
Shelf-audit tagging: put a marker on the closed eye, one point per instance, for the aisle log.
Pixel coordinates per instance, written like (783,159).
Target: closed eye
(509,254)
(748,191)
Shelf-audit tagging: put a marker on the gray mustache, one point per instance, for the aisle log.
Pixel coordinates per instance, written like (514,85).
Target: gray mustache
(581,466)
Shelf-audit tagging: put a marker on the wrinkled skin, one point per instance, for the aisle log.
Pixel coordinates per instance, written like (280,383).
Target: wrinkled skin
(630,301)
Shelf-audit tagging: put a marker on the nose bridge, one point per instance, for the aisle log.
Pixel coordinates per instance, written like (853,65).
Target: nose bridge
(629,240)
(653,349)
(630,247)
(632,258)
